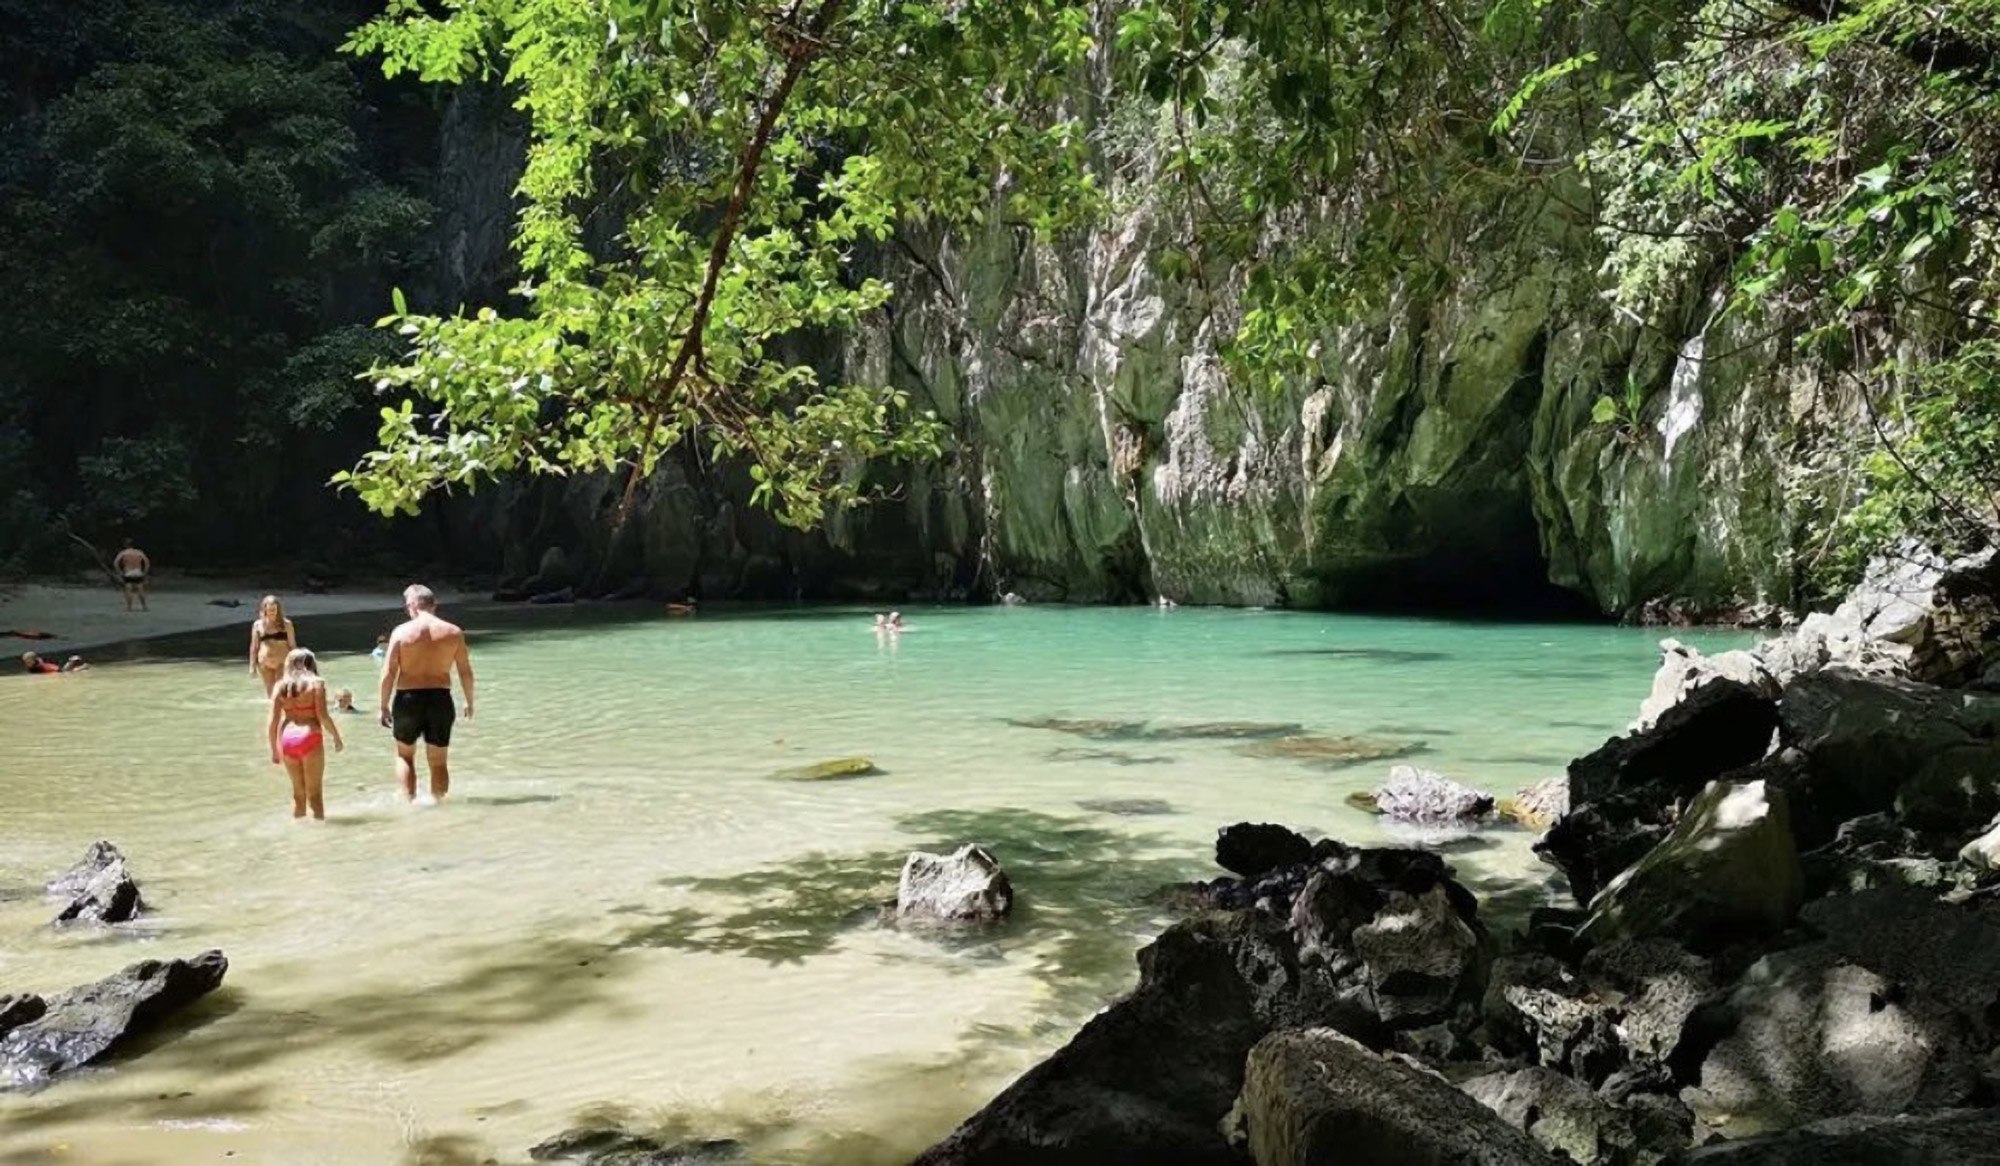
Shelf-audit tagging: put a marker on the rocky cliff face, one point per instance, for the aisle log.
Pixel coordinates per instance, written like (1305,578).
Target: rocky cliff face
(1440,453)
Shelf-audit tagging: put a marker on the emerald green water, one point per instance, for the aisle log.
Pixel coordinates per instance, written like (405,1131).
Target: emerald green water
(623,914)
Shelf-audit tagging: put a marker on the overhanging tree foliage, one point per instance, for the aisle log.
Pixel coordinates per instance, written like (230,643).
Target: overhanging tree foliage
(703,171)
(700,175)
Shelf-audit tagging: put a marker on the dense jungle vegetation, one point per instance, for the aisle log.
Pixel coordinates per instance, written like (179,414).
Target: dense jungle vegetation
(203,207)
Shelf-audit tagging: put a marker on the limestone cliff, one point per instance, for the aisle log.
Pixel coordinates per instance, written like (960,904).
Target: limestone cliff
(1441,452)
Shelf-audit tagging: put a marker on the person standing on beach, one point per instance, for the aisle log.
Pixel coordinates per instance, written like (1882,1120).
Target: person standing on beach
(416,689)
(133,566)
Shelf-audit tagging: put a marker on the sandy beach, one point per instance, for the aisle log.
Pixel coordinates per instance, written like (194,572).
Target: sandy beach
(82,617)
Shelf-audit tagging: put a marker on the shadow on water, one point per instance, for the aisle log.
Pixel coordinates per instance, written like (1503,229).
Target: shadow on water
(1112,756)
(498,990)
(1078,916)
(1378,655)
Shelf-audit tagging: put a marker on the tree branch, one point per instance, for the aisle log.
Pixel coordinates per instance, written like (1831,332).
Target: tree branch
(801,48)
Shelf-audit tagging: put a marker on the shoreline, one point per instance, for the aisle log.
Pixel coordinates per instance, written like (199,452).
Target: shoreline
(81,618)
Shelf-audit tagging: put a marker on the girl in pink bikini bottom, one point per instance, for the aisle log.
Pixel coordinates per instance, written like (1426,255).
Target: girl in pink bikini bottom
(299,717)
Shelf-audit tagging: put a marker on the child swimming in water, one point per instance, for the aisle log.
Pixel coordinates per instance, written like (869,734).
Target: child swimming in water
(298,717)
(343,701)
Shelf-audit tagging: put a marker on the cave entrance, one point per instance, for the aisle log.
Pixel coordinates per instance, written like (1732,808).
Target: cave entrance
(1489,565)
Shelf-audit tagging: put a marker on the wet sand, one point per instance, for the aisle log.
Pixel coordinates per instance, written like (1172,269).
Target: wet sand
(81,617)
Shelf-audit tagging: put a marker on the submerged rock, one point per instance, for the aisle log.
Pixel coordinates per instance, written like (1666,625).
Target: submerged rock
(1253,849)
(1427,798)
(84,1024)
(1127,807)
(1095,730)
(1313,1097)
(1329,752)
(1225,731)
(1730,870)
(840,767)
(966,886)
(100,889)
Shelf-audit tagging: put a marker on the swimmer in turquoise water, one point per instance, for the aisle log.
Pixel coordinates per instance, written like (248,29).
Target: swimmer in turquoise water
(298,718)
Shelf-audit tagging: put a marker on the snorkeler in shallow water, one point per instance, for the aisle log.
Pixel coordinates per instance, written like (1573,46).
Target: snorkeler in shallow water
(298,718)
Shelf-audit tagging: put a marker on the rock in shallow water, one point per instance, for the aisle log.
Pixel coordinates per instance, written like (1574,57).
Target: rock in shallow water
(1537,806)
(965,886)
(84,1024)
(1425,797)
(840,767)
(100,889)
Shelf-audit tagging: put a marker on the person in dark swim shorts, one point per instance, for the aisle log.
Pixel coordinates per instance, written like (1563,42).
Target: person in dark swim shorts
(423,712)
(133,566)
(416,701)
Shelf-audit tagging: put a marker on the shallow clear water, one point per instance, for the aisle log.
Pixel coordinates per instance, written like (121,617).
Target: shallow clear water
(623,914)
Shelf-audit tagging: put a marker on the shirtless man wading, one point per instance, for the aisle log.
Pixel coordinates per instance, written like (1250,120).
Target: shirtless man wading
(423,653)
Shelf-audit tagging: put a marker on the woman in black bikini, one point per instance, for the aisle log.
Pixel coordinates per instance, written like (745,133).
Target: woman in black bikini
(272,637)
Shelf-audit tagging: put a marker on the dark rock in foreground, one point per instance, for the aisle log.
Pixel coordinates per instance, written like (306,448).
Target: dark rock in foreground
(613,1147)
(100,889)
(16,1011)
(1147,1081)
(1721,726)
(1965,1137)
(1728,871)
(84,1024)
(965,886)
(1562,1115)
(1313,1097)
(1930,754)
(1252,849)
